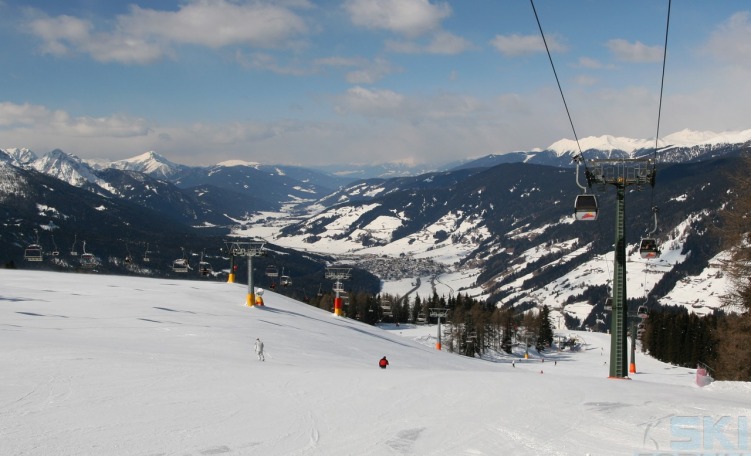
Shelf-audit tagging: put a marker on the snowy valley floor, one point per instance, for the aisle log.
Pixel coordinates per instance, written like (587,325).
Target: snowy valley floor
(108,365)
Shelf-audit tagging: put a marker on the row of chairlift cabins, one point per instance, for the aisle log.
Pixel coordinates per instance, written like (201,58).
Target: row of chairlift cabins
(35,253)
(87,260)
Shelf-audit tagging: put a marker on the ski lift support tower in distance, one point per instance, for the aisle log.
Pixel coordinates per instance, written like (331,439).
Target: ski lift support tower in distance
(337,274)
(440,313)
(248,249)
(620,173)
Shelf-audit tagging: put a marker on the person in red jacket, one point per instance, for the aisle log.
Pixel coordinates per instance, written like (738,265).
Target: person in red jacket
(383,363)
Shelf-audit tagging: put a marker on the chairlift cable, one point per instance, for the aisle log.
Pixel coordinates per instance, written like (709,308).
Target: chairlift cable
(568,113)
(662,80)
(659,107)
(648,245)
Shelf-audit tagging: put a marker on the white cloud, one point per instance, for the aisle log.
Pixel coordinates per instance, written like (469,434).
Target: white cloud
(441,42)
(59,32)
(407,17)
(217,23)
(635,52)
(516,45)
(43,121)
(594,64)
(731,41)
(370,102)
(15,115)
(358,70)
(267,62)
(363,71)
(145,35)
(586,80)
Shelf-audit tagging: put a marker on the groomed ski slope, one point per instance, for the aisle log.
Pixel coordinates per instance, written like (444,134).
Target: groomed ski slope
(108,365)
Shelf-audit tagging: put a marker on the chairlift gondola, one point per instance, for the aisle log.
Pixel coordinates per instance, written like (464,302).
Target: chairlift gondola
(585,205)
(55,251)
(204,267)
(128,257)
(648,246)
(88,260)
(608,304)
(33,252)
(642,312)
(272,271)
(180,265)
(285,279)
(147,254)
(73,251)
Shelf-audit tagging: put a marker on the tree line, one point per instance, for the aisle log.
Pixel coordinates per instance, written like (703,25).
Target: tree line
(472,327)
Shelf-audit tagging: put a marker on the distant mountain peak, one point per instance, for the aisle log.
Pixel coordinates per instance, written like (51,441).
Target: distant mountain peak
(688,138)
(150,163)
(231,163)
(20,156)
(66,167)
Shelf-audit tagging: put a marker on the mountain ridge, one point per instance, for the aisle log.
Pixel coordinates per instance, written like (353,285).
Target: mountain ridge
(487,231)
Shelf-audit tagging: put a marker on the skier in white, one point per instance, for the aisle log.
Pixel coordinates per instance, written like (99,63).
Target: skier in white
(259,349)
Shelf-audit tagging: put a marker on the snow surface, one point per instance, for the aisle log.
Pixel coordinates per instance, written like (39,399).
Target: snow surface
(110,365)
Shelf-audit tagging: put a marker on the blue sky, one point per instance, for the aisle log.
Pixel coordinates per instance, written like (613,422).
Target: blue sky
(361,81)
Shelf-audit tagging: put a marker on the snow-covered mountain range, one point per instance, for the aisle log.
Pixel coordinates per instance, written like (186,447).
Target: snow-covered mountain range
(498,228)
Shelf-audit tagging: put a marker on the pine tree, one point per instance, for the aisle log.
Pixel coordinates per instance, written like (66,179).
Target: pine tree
(545,329)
